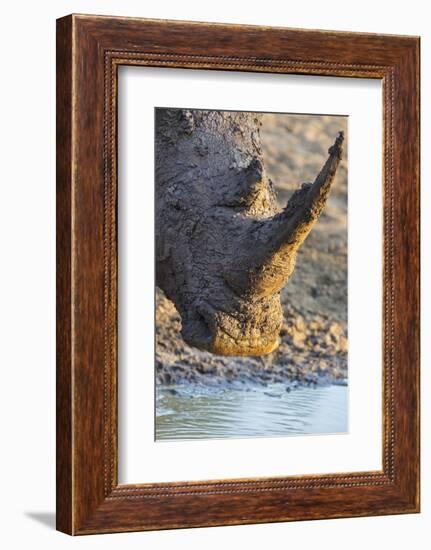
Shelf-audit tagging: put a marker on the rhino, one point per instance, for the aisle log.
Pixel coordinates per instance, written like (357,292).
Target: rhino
(224,249)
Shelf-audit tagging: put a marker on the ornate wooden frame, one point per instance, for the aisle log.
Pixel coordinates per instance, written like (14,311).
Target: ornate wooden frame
(89,51)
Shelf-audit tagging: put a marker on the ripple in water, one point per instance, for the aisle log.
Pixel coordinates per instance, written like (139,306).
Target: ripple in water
(196,412)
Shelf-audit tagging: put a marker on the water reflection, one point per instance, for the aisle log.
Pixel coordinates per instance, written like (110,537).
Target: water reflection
(196,412)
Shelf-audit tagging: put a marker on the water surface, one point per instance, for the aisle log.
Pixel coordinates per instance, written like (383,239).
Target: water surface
(197,412)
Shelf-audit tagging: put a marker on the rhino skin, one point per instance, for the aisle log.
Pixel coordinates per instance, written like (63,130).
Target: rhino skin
(224,250)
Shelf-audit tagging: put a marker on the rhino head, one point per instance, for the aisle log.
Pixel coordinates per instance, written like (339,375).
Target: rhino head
(224,250)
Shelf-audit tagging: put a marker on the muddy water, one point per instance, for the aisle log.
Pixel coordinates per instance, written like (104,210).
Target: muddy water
(195,412)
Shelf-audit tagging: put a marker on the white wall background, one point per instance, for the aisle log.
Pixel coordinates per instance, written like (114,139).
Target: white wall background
(27,247)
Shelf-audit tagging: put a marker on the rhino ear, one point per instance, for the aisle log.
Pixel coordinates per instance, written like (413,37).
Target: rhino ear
(288,230)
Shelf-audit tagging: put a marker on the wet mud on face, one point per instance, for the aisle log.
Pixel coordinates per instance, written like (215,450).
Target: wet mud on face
(313,348)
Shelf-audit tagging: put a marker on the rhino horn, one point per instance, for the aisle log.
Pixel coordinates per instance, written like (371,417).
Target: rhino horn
(273,256)
(290,228)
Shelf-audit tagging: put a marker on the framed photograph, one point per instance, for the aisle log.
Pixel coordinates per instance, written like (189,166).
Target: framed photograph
(237,274)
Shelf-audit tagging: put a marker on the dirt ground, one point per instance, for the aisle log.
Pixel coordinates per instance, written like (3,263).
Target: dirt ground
(313,347)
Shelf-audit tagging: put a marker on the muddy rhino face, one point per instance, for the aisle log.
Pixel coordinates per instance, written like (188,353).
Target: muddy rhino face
(223,250)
